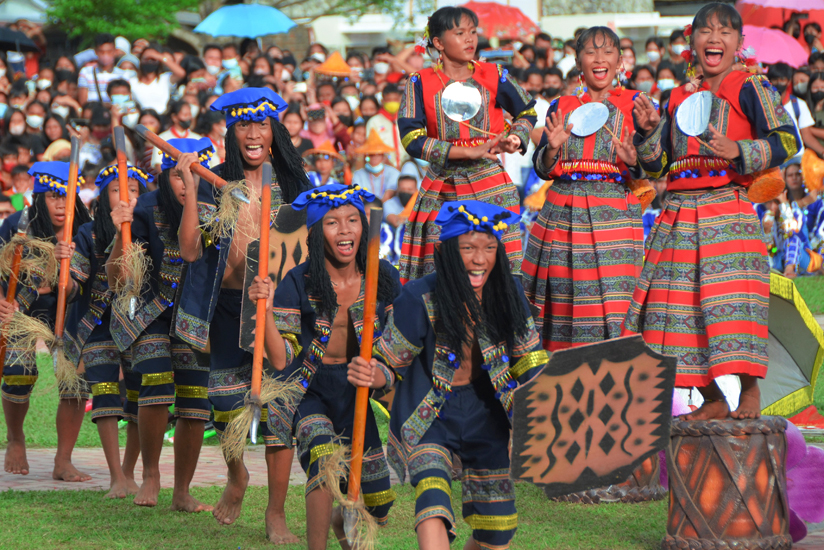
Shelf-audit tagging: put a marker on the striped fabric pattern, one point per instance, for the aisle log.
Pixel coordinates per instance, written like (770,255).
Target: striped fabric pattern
(491,185)
(703,295)
(584,254)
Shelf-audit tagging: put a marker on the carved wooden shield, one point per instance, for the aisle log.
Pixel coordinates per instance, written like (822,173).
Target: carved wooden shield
(287,248)
(592,416)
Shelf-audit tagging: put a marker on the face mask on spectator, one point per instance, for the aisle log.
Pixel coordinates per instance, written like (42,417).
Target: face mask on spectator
(392,107)
(653,56)
(801,88)
(404,198)
(230,63)
(44,84)
(381,67)
(88,195)
(677,49)
(129,74)
(285,75)
(551,92)
(130,120)
(780,88)
(557,55)
(666,84)
(212,69)
(352,100)
(3,109)
(261,71)
(2,73)
(35,121)
(644,86)
(184,124)
(61,110)
(346,120)
(17,129)
(809,38)
(817,96)
(149,67)
(374,169)
(195,110)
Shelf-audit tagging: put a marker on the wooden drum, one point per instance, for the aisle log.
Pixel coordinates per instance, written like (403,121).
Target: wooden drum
(643,485)
(728,486)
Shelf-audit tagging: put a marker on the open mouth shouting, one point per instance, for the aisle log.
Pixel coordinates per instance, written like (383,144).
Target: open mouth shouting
(476,277)
(346,248)
(713,56)
(600,73)
(254,152)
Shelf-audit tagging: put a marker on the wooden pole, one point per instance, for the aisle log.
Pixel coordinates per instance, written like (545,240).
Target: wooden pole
(369,306)
(123,182)
(63,281)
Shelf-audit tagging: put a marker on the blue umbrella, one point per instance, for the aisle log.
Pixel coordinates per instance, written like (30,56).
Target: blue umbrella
(245,20)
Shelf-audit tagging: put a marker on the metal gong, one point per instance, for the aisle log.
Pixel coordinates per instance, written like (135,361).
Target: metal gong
(460,101)
(693,115)
(588,119)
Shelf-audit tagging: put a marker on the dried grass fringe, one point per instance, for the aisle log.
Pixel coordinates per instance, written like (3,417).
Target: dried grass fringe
(38,265)
(225,219)
(23,332)
(233,442)
(134,267)
(332,469)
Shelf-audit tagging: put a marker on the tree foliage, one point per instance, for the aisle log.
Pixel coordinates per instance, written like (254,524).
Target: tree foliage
(152,19)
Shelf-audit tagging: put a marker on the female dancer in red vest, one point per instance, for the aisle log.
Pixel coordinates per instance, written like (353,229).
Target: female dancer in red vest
(586,249)
(461,153)
(704,291)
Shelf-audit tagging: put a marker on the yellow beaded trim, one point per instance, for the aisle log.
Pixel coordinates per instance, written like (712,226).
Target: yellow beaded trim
(412,136)
(372,500)
(294,341)
(332,196)
(432,483)
(110,170)
(492,523)
(204,156)
(192,392)
(158,379)
(527,362)
(45,179)
(105,388)
(132,395)
(20,380)
(321,450)
(500,226)
(236,112)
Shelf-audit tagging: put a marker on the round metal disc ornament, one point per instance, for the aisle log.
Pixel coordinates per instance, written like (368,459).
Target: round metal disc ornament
(693,115)
(461,101)
(588,119)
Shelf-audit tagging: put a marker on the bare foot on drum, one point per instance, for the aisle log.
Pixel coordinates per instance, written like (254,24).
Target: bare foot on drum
(715,405)
(749,404)
(16,462)
(228,508)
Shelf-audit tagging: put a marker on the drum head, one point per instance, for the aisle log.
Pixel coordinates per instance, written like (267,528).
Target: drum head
(461,101)
(693,115)
(588,119)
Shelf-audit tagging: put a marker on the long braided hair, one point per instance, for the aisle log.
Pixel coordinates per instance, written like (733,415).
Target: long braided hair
(320,284)
(286,162)
(501,315)
(168,202)
(40,224)
(104,229)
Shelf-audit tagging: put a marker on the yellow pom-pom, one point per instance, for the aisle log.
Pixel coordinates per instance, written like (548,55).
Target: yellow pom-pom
(314,195)
(461,209)
(476,221)
(485,219)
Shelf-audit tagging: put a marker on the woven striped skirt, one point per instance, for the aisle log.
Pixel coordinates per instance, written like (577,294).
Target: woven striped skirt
(703,295)
(582,260)
(491,185)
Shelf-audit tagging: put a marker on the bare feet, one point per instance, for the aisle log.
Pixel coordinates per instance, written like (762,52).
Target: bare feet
(188,503)
(710,410)
(228,508)
(276,528)
(65,471)
(749,404)
(131,486)
(120,489)
(337,527)
(16,462)
(148,492)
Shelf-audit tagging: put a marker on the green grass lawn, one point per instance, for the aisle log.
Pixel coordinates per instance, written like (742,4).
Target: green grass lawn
(84,519)
(812,289)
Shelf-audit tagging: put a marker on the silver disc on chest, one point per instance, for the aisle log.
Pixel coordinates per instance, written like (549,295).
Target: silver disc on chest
(588,119)
(461,101)
(693,115)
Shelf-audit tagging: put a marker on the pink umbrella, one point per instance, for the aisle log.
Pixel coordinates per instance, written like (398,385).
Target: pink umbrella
(773,46)
(768,13)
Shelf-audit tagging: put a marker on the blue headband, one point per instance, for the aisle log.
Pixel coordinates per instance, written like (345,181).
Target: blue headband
(457,218)
(53,176)
(109,173)
(203,148)
(254,104)
(318,202)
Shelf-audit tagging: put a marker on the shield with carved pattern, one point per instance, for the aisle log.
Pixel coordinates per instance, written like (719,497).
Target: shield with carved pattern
(287,249)
(592,416)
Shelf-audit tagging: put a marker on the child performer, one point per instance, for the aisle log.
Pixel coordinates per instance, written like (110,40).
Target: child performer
(169,370)
(704,290)
(318,309)
(88,338)
(460,340)
(586,249)
(461,155)
(46,219)
(212,295)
